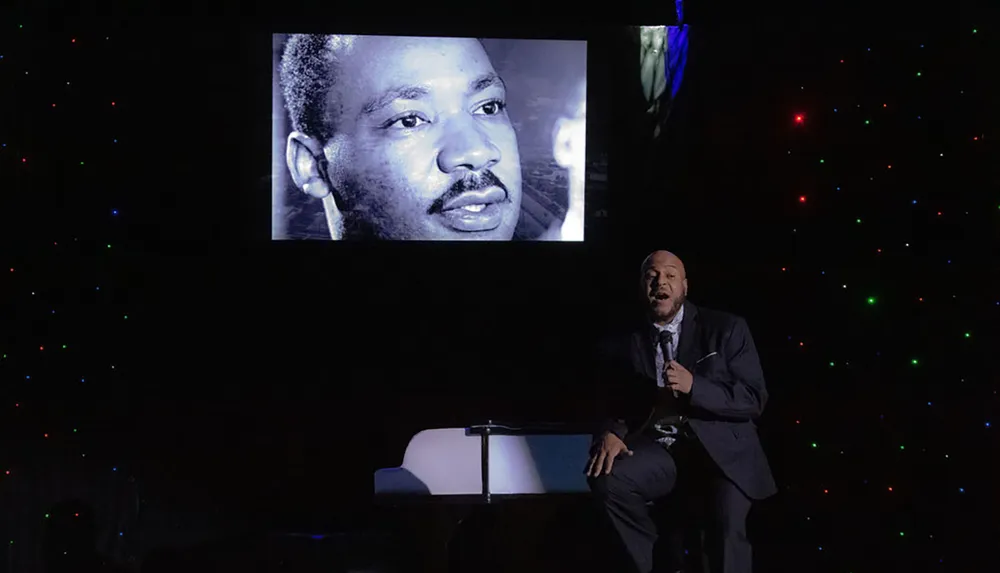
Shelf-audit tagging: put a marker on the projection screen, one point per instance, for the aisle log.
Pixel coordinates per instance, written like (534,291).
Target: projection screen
(392,138)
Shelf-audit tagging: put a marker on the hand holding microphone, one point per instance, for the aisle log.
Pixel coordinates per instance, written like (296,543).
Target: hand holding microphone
(677,378)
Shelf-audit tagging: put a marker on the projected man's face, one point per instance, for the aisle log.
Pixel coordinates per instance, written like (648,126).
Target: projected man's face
(664,284)
(424,148)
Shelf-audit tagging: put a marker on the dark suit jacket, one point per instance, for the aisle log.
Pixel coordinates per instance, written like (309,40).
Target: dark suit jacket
(727,397)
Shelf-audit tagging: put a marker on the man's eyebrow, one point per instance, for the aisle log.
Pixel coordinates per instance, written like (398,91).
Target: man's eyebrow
(486,80)
(390,95)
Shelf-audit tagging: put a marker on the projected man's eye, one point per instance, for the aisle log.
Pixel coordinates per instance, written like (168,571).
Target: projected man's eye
(493,107)
(406,122)
(400,138)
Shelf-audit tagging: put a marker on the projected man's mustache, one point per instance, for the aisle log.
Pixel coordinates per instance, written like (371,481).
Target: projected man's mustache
(473,183)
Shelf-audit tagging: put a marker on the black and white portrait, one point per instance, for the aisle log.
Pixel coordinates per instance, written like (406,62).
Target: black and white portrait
(428,138)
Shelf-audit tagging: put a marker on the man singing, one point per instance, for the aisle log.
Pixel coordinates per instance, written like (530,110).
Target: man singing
(403,138)
(698,435)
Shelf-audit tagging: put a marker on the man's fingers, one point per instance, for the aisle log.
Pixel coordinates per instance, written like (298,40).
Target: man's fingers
(608,462)
(630,452)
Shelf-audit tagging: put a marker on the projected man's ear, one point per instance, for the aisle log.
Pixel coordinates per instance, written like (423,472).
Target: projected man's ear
(569,149)
(307,165)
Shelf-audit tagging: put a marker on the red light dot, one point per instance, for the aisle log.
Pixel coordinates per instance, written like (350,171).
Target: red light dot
(880,250)
(783,269)
(76,515)
(890,167)
(46,435)
(883,105)
(797,422)
(939,213)
(24,160)
(112,104)
(890,489)
(17,405)
(802,344)
(802,199)
(826,491)
(41,348)
(73,41)
(842,61)
(53,105)
(8,472)
(799,118)
(921,299)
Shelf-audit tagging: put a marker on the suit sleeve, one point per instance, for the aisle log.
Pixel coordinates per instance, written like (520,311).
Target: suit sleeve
(741,392)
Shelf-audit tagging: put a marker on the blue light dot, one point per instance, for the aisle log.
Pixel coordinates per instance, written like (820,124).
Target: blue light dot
(949,261)
(914,201)
(114,469)
(961,490)
(98,288)
(987,424)
(120,534)
(921,45)
(929,404)
(821,549)
(838,188)
(114,140)
(82,380)
(27,377)
(114,212)
(869,49)
(822,272)
(918,117)
(834,110)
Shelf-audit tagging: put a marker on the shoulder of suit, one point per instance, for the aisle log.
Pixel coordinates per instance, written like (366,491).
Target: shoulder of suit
(720,319)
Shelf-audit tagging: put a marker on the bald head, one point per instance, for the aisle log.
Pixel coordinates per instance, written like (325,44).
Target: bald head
(664,285)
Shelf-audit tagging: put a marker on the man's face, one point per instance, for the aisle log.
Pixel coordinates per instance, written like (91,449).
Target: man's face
(424,148)
(664,285)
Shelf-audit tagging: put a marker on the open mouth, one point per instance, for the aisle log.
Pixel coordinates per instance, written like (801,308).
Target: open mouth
(661,296)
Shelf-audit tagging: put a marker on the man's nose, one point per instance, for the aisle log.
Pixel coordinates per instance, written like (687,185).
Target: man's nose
(467,146)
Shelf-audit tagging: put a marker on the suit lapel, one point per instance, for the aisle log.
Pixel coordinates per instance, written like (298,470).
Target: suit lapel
(642,353)
(687,347)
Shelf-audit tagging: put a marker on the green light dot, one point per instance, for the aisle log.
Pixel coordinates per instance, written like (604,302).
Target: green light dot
(901,534)
(831,365)
(81,163)
(919,74)
(64,347)
(914,362)
(126,317)
(46,516)
(822,160)
(814,445)
(968,335)
(74,430)
(109,245)
(867,122)
(871,300)
(975,31)
(902,447)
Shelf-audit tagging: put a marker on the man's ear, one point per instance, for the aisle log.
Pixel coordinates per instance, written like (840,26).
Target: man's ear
(307,164)
(685,287)
(562,143)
